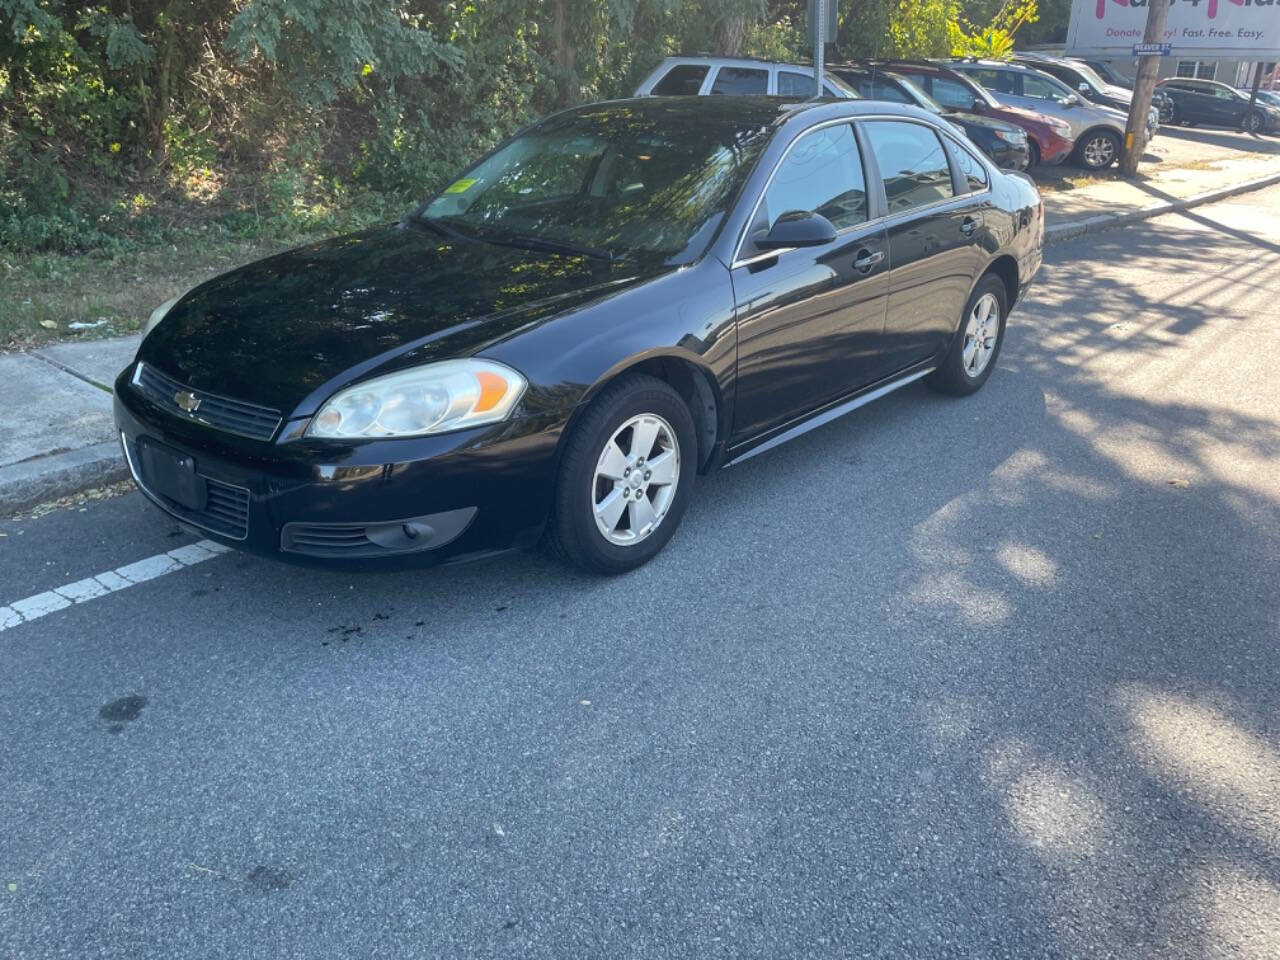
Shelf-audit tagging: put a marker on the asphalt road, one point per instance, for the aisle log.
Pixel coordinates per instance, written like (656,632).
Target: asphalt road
(993,677)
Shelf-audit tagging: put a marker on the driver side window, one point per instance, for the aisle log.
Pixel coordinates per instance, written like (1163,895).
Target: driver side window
(822,173)
(1039,88)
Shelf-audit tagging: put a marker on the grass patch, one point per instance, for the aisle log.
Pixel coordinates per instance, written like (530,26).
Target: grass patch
(48,297)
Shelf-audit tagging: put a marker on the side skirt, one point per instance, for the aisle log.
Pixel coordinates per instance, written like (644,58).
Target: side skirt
(837,410)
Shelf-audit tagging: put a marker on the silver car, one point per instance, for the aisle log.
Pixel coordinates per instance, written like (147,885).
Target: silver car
(694,76)
(1098,131)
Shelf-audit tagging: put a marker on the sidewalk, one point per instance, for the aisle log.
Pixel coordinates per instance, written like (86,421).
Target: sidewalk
(66,442)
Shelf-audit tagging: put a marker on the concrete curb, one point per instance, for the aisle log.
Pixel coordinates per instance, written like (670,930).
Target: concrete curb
(1105,221)
(32,482)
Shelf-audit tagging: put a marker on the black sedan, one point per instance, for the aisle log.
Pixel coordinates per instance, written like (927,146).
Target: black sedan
(621,297)
(1005,143)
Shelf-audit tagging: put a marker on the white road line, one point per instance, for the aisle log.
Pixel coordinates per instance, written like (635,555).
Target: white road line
(99,585)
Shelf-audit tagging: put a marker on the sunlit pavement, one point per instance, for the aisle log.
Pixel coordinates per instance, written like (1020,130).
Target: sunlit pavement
(981,678)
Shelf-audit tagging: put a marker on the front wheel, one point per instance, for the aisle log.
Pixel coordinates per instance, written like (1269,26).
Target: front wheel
(1099,150)
(1169,112)
(626,477)
(1033,155)
(1254,122)
(977,343)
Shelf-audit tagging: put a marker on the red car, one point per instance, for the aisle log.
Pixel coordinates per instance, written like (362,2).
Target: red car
(1050,139)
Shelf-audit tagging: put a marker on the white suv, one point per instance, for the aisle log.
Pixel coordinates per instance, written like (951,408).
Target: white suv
(699,76)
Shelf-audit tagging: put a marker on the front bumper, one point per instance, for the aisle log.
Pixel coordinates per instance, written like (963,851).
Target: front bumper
(414,501)
(1006,155)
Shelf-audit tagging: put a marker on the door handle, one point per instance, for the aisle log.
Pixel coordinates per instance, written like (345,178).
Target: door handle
(867,259)
(969,224)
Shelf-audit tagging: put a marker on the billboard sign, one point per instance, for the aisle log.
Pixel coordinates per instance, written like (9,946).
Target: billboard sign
(1201,29)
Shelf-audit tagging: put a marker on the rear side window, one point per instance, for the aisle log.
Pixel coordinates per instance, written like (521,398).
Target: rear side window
(792,84)
(741,81)
(682,80)
(912,163)
(975,174)
(822,174)
(998,81)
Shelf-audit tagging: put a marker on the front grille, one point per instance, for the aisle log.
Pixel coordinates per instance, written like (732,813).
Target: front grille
(220,413)
(226,509)
(329,540)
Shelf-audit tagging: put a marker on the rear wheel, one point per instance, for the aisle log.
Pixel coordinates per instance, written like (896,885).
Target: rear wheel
(977,342)
(1098,149)
(626,477)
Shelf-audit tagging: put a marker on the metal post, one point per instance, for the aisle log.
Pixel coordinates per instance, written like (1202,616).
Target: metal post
(1135,134)
(819,47)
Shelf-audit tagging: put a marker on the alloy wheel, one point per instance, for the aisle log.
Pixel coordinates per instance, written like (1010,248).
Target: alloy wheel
(635,479)
(981,333)
(1167,113)
(1099,152)
(1253,123)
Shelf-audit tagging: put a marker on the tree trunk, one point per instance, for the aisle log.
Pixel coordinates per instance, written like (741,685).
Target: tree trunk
(730,33)
(1135,134)
(564,54)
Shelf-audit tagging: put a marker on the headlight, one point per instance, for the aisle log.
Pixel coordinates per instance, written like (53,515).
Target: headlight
(1012,136)
(433,398)
(157,315)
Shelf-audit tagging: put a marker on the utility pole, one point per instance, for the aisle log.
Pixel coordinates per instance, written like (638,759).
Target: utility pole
(1135,134)
(1257,83)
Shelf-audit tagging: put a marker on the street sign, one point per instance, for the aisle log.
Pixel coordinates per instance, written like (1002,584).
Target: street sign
(1152,49)
(828,20)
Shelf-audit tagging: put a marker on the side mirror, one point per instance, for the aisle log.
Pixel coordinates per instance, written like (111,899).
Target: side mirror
(1072,101)
(797,228)
(1084,87)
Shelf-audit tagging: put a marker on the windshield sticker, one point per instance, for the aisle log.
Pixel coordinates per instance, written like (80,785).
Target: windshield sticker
(460,186)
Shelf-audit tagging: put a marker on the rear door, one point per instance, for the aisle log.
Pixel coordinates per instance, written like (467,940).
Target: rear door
(810,321)
(740,81)
(936,225)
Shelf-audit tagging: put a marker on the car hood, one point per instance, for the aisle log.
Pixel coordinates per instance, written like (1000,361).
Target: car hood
(286,331)
(1119,93)
(977,120)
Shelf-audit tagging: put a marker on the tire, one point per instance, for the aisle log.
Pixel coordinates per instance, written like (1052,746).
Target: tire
(955,374)
(1169,113)
(1033,152)
(611,422)
(1098,149)
(1254,122)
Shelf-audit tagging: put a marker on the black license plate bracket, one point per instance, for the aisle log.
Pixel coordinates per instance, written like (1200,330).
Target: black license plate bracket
(171,474)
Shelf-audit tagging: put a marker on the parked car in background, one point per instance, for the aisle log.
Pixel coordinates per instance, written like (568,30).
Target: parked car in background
(1217,105)
(1270,97)
(1084,80)
(1005,143)
(1048,139)
(706,75)
(1098,131)
(1110,74)
(618,298)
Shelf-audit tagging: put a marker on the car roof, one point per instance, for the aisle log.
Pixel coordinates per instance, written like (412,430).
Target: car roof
(997,64)
(752,109)
(711,58)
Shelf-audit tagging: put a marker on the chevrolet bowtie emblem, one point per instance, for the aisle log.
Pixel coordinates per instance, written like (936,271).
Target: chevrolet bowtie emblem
(187,401)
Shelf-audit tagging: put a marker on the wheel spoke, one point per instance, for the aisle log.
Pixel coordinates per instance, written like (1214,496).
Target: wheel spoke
(613,462)
(643,436)
(609,510)
(663,469)
(642,514)
(970,350)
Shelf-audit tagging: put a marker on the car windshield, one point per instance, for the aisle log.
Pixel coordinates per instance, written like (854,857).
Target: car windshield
(613,180)
(979,91)
(1090,75)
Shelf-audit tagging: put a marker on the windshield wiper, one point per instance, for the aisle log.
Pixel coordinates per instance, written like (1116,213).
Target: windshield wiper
(511,238)
(490,233)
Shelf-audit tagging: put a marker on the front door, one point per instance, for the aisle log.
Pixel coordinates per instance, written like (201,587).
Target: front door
(935,234)
(809,320)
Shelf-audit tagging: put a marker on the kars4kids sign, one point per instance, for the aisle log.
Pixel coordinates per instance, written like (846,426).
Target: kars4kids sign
(1235,29)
